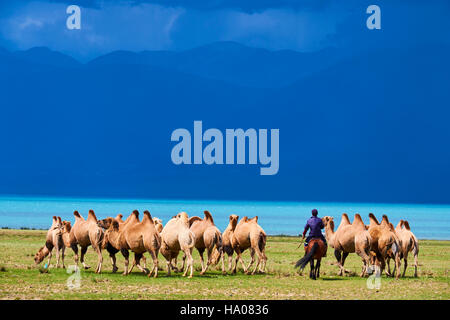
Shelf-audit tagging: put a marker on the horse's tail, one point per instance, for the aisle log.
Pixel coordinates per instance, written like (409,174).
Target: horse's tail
(304,261)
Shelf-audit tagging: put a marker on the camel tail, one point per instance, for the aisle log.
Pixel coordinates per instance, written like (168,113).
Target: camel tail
(191,243)
(262,241)
(307,258)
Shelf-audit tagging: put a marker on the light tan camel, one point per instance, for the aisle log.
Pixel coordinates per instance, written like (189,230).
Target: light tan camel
(227,246)
(86,233)
(53,240)
(207,237)
(408,243)
(158,224)
(349,238)
(384,239)
(248,234)
(138,237)
(177,236)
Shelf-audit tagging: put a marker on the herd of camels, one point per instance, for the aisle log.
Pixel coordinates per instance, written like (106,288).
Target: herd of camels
(376,243)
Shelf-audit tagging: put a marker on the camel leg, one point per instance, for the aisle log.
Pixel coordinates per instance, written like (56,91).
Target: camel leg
(338,256)
(405,266)
(83,252)
(202,262)
(62,256)
(252,255)
(100,259)
(190,263)
(239,258)
(260,256)
(344,256)
(112,256)
(388,264)
(230,262)
(136,262)
(49,258)
(58,257)
(154,256)
(75,252)
(416,262)
(126,255)
(263,264)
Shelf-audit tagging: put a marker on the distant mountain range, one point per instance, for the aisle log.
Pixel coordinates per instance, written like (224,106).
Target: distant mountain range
(372,127)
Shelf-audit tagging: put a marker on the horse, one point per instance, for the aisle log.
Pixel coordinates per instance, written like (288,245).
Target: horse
(315,250)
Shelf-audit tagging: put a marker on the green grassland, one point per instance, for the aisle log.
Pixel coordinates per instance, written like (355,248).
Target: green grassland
(21,279)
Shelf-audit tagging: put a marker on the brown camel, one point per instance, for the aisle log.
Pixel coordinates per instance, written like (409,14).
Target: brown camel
(105,224)
(384,239)
(349,238)
(408,242)
(53,240)
(227,247)
(138,237)
(177,236)
(86,233)
(248,234)
(207,237)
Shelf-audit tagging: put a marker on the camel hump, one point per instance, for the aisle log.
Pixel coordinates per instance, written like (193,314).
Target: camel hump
(148,216)
(54,218)
(91,215)
(358,219)
(406,224)
(385,218)
(77,214)
(193,219)
(373,218)
(254,219)
(59,219)
(208,216)
(119,216)
(345,218)
(135,213)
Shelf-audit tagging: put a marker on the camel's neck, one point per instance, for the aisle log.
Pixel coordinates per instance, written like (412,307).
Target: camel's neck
(329,231)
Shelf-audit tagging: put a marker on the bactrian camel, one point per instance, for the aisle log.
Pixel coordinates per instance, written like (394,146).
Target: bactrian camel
(177,236)
(53,240)
(349,238)
(248,234)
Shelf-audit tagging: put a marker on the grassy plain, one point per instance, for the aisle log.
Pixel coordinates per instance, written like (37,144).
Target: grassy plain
(21,279)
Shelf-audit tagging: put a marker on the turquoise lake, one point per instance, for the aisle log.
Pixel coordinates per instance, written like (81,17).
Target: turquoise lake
(288,218)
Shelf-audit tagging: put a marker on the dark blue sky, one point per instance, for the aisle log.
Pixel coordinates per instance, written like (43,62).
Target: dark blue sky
(176,25)
(363,114)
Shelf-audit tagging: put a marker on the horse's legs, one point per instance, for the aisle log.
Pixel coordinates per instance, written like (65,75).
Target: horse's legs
(318,268)
(311,272)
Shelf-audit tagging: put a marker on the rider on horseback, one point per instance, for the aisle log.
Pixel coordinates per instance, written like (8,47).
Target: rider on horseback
(315,224)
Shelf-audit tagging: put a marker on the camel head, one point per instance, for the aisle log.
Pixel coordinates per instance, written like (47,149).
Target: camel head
(105,223)
(183,217)
(41,254)
(326,220)
(66,226)
(233,221)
